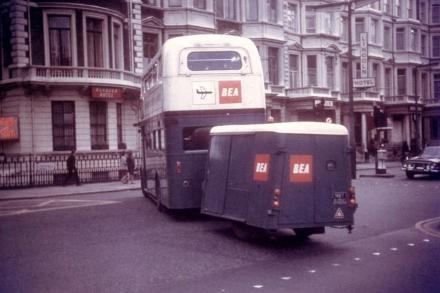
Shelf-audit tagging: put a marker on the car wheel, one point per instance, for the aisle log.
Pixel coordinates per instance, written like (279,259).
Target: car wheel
(409,175)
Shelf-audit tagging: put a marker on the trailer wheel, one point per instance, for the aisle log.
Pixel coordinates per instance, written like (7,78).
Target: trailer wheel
(158,192)
(243,231)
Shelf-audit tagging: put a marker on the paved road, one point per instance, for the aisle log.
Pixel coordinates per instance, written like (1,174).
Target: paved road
(118,242)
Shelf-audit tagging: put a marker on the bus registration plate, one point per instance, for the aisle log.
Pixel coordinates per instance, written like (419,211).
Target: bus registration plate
(339,198)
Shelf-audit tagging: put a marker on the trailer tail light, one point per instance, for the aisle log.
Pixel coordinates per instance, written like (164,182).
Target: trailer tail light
(276,198)
(178,167)
(352,196)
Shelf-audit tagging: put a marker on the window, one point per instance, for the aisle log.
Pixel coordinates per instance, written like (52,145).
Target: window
(310,20)
(200,4)
(388,82)
(387,6)
(374,34)
(273,65)
(330,67)
(175,3)
(437,87)
(398,5)
(63,125)
(423,45)
(293,71)
(435,13)
(196,138)
(95,52)
(413,39)
(344,32)
(436,46)
(117,46)
(272,15)
(252,10)
(60,44)
(435,128)
(226,9)
(344,81)
(422,12)
(410,8)
(359,28)
(292,17)
(387,38)
(414,81)
(119,125)
(214,60)
(400,39)
(401,82)
(151,45)
(328,23)
(312,70)
(424,86)
(98,125)
(376,76)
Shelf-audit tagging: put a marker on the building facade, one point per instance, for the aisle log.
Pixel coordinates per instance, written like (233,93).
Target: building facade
(70,71)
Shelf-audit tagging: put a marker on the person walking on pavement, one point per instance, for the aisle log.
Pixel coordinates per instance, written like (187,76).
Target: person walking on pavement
(404,151)
(124,169)
(130,167)
(71,169)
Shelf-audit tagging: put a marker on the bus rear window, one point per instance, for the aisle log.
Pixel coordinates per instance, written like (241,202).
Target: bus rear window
(218,60)
(196,138)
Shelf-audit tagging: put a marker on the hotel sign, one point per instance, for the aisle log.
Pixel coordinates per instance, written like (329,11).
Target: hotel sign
(106,92)
(9,128)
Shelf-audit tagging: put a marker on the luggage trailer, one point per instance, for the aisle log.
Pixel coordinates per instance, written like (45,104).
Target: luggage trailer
(274,176)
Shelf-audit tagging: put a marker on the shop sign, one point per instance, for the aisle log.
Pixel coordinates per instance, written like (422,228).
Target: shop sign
(364,54)
(106,92)
(9,128)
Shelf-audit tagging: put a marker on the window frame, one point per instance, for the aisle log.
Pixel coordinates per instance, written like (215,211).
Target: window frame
(105,41)
(100,144)
(62,125)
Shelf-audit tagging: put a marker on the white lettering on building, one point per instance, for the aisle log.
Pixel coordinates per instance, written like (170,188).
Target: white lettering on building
(301,168)
(230,92)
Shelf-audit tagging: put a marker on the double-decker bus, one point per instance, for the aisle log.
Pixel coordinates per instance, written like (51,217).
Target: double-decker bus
(192,84)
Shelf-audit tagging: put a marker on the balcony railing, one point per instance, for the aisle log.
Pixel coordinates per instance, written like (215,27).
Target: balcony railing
(403,100)
(309,92)
(363,96)
(73,75)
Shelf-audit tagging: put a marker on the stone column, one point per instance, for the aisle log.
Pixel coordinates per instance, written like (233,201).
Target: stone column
(19,33)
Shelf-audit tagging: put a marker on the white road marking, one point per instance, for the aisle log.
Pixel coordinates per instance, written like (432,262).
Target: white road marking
(424,226)
(286,278)
(426,240)
(357,258)
(411,244)
(376,253)
(335,264)
(258,286)
(312,271)
(393,249)
(46,206)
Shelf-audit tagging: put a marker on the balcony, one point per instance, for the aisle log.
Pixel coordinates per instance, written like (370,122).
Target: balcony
(63,75)
(402,100)
(364,96)
(306,92)
(431,102)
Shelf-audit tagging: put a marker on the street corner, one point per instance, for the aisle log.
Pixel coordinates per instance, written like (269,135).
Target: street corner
(430,227)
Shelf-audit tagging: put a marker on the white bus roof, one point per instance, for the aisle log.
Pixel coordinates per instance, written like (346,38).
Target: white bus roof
(285,127)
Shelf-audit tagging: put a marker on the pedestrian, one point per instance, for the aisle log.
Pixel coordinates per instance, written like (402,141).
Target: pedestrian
(372,150)
(130,167)
(123,168)
(71,169)
(404,151)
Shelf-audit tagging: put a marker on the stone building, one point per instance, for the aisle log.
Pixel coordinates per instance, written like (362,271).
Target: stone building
(70,71)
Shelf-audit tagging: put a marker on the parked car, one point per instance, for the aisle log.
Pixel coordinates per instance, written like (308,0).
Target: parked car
(428,162)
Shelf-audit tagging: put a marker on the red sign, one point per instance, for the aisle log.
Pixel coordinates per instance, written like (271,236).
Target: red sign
(106,92)
(9,128)
(261,167)
(301,168)
(229,91)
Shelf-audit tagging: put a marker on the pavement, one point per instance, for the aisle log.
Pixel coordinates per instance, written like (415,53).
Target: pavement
(367,169)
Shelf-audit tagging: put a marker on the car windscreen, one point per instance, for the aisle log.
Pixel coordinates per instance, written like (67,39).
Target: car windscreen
(431,152)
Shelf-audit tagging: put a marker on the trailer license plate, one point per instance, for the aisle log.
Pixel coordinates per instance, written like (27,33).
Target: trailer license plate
(339,198)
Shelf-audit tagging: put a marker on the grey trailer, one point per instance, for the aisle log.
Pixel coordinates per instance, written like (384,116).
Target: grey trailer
(280,175)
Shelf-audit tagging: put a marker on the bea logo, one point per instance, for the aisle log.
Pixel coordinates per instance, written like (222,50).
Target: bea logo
(261,167)
(301,168)
(230,91)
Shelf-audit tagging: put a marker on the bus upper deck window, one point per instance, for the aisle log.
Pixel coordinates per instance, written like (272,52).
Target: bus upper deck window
(214,60)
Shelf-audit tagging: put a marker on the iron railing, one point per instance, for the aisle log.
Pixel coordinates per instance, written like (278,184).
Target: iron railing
(27,170)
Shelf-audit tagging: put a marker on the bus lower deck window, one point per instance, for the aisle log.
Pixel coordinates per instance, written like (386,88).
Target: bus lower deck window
(195,138)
